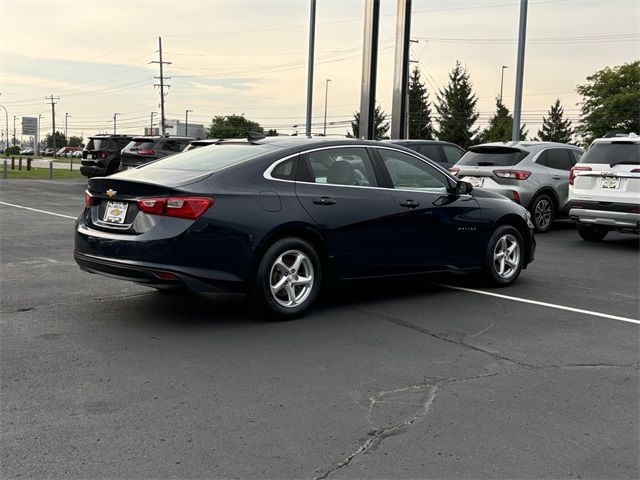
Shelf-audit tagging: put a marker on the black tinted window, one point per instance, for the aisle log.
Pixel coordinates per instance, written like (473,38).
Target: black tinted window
(286,170)
(212,158)
(429,151)
(612,153)
(452,153)
(342,166)
(492,156)
(558,159)
(101,144)
(410,173)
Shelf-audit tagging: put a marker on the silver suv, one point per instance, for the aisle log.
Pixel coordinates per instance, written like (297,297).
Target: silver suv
(533,174)
(605,191)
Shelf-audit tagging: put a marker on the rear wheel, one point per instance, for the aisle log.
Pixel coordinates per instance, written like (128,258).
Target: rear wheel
(543,212)
(288,278)
(504,256)
(592,233)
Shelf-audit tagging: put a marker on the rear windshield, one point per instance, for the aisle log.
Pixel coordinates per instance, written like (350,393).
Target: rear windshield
(618,152)
(100,144)
(141,145)
(492,156)
(211,158)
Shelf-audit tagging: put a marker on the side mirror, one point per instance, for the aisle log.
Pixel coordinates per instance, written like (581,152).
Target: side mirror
(463,188)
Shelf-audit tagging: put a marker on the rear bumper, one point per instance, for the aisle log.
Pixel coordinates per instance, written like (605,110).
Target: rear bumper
(93,171)
(156,275)
(625,221)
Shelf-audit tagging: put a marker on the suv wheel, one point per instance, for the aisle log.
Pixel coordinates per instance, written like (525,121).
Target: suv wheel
(543,212)
(504,256)
(288,278)
(591,233)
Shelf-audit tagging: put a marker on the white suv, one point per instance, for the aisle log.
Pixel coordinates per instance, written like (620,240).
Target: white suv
(605,188)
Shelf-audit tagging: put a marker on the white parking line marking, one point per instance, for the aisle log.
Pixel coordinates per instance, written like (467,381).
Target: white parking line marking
(542,304)
(36,210)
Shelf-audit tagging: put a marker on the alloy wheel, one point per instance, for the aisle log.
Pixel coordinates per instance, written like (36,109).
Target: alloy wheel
(291,278)
(542,213)
(506,256)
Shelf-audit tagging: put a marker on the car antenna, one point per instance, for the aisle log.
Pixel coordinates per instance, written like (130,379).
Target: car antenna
(254,136)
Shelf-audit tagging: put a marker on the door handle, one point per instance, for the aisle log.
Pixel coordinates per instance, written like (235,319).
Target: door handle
(556,177)
(409,204)
(324,201)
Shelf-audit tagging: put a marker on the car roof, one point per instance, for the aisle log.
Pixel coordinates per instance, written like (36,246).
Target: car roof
(631,137)
(529,146)
(416,141)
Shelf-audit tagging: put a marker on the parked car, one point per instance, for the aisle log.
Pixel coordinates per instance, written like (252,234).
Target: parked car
(276,217)
(101,156)
(48,152)
(67,151)
(446,154)
(605,191)
(142,150)
(26,151)
(201,143)
(533,174)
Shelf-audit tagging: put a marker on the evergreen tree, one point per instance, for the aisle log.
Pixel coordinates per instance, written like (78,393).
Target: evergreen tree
(457,109)
(554,128)
(379,122)
(420,125)
(500,127)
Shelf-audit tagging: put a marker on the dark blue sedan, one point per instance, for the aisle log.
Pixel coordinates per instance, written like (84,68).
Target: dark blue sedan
(277,217)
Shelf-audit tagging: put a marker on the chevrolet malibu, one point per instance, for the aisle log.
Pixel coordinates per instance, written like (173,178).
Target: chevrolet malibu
(276,218)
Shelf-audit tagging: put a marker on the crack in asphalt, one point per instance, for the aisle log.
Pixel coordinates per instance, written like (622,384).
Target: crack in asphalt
(99,299)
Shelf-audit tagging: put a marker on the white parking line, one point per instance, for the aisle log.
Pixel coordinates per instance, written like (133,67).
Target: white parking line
(36,210)
(542,304)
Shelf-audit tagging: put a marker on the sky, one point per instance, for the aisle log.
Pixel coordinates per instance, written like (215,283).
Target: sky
(250,57)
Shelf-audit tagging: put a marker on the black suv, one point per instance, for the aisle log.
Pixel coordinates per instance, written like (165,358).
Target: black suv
(101,156)
(445,154)
(143,150)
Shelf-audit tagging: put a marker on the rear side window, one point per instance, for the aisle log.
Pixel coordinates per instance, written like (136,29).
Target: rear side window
(429,151)
(618,152)
(558,159)
(212,158)
(342,166)
(492,156)
(286,170)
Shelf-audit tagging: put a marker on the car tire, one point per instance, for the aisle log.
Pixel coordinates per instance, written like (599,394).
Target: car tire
(543,212)
(504,257)
(592,233)
(288,278)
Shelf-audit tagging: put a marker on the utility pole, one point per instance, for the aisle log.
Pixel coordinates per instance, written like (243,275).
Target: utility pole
(53,99)
(326,95)
(522,39)
(186,122)
(502,81)
(66,137)
(401,71)
(37,150)
(312,43)
(151,124)
(6,137)
(162,78)
(114,122)
(369,69)
(14,130)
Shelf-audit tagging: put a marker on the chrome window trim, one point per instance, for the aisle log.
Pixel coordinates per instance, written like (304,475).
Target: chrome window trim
(267,173)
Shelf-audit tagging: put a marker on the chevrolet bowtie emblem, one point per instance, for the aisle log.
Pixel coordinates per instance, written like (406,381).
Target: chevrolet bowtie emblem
(110,192)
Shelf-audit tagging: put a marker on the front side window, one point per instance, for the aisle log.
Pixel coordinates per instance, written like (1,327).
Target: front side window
(410,173)
(342,166)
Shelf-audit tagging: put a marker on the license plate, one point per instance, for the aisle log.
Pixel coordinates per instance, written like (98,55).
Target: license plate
(89,157)
(610,182)
(475,181)
(116,212)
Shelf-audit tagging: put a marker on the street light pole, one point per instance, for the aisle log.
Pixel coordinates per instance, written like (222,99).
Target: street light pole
(186,122)
(6,137)
(502,81)
(522,39)
(151,124)
(326,95)
(14,130)
(37,151)
(312,42)
(114,122)
(66,136)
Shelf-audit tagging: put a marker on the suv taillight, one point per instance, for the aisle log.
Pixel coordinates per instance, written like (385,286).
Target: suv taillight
(454,171)
(190,208)
(514,174)
(577,168)
(148,151)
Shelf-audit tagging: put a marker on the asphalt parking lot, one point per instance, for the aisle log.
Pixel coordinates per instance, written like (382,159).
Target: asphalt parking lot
(106,379)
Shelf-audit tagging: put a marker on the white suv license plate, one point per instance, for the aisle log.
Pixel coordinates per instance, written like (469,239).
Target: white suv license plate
(475,182)
(610,182)
(116,212)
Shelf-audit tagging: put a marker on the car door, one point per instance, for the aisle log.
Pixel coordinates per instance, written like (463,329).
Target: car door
(559,162)
(338,187)
(438,229)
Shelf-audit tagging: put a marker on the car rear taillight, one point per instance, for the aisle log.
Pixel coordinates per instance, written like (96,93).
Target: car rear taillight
(190,208)
(147,151)
(89,200)
(514,174)
(454,171)
(635,170)
(103,155)
(572,173)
